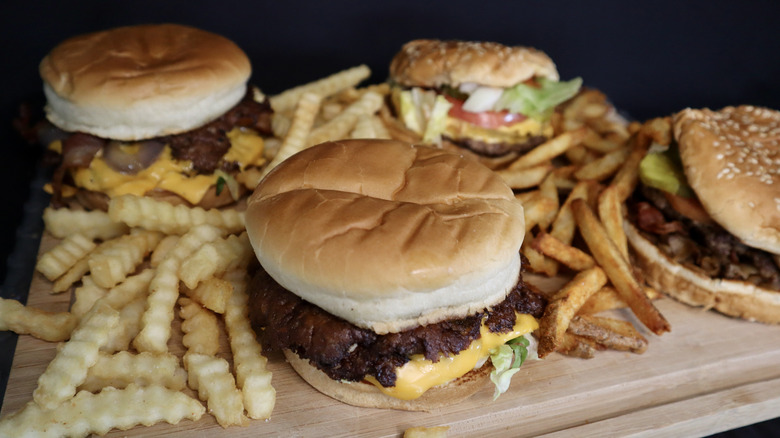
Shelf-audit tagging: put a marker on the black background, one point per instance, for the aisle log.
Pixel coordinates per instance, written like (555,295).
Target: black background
(650,58)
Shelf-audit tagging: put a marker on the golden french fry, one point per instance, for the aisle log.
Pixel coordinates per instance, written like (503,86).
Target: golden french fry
(212,293)
(96,224)
(25,320)
(626,178)
(364,128)
(86,296)
(540,211)
(564,305)
(58,260)
(603,167)
(562,177)
(607,298)
(280,124)
(250,177)
(99,413)
(340,126)
(578,346)
(215,258)
(128,327)
(211,377)
(611,333)
(659,130)
(162,249)
(538,262)
(74,274)
(286,100)
(164,290)
(249,364)
(618,270)
(563,227)
(523,178)
(200,328)
(113,261)
(611,214)
(143,369)
(154,215)
(69,367)
(572,257)
(300,128)
(580,107)
(597,143)
(133,287)
(549,149)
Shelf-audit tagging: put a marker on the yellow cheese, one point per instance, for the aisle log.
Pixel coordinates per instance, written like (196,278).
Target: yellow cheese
(168,174)
(419,374)
(515,133)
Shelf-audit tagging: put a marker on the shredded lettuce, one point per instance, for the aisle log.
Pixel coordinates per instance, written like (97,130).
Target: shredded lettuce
(438,120)
(538,103)
(410,113)
(507,360)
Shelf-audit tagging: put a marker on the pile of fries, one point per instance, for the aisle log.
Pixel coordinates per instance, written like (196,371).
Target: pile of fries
(129,269)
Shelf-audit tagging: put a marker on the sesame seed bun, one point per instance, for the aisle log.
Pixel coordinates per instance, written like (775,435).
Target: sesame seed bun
(139,82)
(731,159)
(433,63)
(386,235)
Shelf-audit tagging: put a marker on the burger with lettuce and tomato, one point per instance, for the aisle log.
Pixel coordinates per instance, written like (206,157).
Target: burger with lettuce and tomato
(486,97)
(705,219)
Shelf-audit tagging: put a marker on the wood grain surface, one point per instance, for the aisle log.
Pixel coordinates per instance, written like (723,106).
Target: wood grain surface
(710,374)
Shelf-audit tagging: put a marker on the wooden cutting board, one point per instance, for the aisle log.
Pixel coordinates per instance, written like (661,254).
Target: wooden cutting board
(710,374)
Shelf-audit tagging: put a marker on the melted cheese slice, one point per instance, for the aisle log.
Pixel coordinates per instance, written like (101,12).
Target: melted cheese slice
(514,133)
(246,148)
(419,374)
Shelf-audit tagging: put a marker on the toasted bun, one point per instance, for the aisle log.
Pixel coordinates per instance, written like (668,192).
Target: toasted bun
(433,63)
(137,82)
(369,396)
(731,159)
(387,235)
(734,298)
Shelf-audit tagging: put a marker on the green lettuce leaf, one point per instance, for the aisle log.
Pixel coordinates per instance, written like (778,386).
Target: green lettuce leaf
(507,360)
(538,103)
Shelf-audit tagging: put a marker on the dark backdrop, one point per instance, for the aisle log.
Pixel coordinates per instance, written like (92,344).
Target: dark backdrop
(650,58)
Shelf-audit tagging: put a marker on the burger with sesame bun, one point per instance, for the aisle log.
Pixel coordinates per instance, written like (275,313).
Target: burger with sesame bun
(160,110)
(491,99)
(391,274)
(705,219)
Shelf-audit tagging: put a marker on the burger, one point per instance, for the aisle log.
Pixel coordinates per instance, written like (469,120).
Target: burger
(390,274)
(485,97)
(705,220)
(160,110)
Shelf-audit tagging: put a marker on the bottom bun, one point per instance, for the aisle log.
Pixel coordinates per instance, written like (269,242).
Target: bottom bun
(369,396)
(731,297)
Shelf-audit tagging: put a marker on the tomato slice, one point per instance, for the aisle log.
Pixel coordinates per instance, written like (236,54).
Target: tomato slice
(485,119)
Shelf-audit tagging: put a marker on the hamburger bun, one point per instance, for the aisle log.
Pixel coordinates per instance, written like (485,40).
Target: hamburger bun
(369,396)
(433,63)
(139,82)
(387,235)
(731,159)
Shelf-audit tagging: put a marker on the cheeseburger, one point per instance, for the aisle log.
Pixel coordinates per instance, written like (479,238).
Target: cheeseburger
(391,273)
(705,220)
(154,110)
(486,97)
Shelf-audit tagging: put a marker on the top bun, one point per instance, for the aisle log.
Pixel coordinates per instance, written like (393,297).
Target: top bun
(137,82)
(433,63)
(732,162)
(387,235)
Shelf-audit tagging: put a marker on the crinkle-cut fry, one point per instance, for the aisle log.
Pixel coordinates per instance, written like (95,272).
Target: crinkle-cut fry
(212,293)
(564,305)
(58,260)
(300,127)
(164,290)
(112,408)
(286,100)
(96,224)
(214,258)
(143,369)
(340,126)
(549,149)
(200,328)
(133,287)
(280,124)
(128,327)
(69,367)
(154,215)
(86,296)
(160,251)
(369,126)
(25,320)
(110,265)
(74,274)
(618,270)
(252,375)
(216,385)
